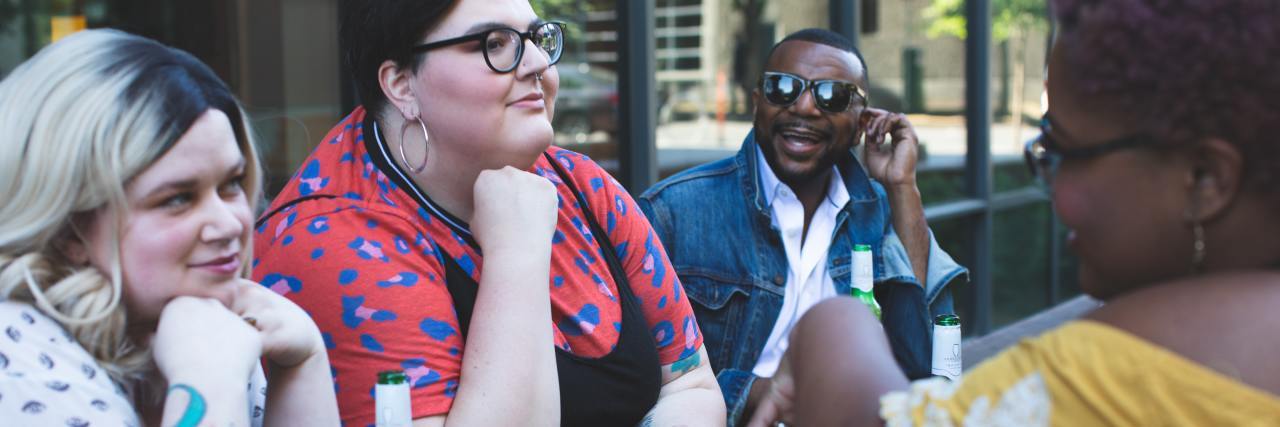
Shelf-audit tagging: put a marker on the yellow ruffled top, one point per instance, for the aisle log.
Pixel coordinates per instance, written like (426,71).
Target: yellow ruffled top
(1084,373)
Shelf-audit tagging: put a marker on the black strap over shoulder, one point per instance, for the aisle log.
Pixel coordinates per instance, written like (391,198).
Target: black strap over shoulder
(461,286)
(267,217)
(616,389)
(462,289)
(606,245)
(621,387)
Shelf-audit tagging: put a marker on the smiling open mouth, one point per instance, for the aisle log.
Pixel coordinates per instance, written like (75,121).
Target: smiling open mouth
(801,133)
(799,140)
(802,136)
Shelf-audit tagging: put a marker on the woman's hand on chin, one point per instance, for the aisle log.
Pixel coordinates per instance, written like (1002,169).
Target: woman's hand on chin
(514,210)
(198,340)
(288,335)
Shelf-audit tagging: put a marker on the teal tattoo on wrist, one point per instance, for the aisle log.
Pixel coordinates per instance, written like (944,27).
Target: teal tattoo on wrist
(687,364)
(196,407)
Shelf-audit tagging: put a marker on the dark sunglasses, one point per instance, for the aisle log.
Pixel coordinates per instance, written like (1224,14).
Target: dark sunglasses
(504,47)
(1044,154)
(832,96)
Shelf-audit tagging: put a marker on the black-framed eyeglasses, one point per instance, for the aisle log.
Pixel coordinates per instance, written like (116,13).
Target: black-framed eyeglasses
(832,96)
(504,47)
(1044,154)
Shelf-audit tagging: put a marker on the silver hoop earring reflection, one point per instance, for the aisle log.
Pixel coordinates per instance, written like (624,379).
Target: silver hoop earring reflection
(425,147)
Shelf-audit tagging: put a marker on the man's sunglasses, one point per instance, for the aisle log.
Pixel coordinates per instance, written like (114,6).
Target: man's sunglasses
(832,96)
(504,47)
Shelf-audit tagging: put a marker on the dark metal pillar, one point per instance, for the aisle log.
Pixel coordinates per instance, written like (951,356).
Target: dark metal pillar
(30,38)
(977,87)
(638,105)
(844,18)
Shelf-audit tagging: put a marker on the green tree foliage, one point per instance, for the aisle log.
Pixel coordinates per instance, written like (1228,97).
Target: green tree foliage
(563,9)
(1012,21)
(557,9)
(1008,18)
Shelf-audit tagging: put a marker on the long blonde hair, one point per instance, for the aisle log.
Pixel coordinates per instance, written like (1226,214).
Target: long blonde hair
(78,121)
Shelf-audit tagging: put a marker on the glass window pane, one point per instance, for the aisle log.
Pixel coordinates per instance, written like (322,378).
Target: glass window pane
(702,114)
(1020,37)
(919,69)
(279,58)
(300,91)
(1020,258)
(586,110)
(955,236)
(1012,174)
(940,184)
(25,27)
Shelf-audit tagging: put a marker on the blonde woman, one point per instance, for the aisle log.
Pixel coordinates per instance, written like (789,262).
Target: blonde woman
(128,180)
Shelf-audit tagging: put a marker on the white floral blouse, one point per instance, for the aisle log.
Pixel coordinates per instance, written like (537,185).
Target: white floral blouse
(48,379)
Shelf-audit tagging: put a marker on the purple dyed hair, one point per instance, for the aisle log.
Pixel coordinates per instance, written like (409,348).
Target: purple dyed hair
(1185,69)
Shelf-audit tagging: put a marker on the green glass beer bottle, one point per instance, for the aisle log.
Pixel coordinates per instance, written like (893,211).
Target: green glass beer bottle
(863,278)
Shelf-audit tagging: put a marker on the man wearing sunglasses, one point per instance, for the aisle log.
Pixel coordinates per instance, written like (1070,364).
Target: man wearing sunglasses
(760,237)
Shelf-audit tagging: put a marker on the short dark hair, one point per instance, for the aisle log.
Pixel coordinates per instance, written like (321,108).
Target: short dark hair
(373,31)
(1184,69)
(829,38)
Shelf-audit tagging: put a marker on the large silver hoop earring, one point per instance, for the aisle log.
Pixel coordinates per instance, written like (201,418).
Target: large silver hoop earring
(426,139)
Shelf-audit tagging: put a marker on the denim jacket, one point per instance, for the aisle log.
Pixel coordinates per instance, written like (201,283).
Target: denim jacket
(718,231)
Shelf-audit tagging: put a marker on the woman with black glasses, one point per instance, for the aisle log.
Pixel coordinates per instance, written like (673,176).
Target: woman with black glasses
(1161,153)
(435,231)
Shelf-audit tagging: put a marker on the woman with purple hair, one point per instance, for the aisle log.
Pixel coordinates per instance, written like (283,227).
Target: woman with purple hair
(1160,149)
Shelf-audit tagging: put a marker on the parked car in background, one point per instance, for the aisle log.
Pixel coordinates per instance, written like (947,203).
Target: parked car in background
(587,105)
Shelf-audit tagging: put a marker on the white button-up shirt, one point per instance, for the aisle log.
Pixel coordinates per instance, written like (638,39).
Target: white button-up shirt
(808,281)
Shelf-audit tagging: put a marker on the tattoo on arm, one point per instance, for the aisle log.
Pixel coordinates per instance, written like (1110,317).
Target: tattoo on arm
(196,406)
(687,364)
(647,421)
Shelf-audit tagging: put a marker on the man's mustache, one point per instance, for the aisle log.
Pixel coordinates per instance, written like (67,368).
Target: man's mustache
(800,126)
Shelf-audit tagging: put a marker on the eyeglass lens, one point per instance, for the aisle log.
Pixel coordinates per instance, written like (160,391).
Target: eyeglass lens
(831,96)
(503,48)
